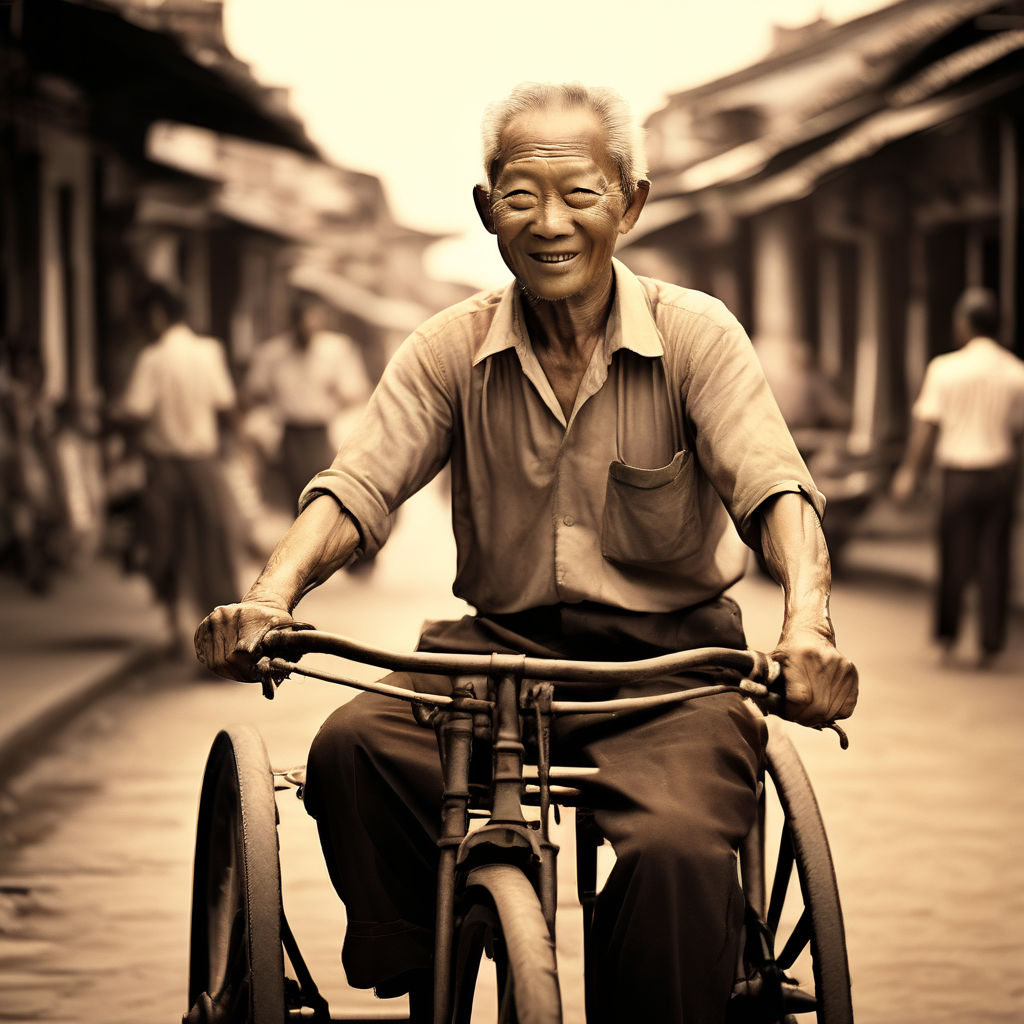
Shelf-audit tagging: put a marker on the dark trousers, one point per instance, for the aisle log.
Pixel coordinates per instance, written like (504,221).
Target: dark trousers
(675,794)
(186,516)
(305,451)
(975,530)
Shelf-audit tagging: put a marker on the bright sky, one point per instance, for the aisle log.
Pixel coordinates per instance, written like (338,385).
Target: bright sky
(397,88)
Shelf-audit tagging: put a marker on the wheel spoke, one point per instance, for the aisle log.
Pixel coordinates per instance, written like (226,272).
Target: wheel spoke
(780,883)
(797,941)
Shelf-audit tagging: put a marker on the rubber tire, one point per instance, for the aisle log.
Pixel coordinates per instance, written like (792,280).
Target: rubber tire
(816,873)
(236,886)
(500,912)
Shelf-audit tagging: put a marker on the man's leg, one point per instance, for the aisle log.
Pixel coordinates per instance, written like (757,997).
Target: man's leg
(211,516)
(994,551)
(373,784)
(957,547)
(677,794)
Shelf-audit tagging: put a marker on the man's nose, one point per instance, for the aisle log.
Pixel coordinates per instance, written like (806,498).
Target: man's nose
(552,219)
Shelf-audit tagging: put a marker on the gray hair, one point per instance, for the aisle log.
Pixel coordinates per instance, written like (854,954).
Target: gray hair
(623,135)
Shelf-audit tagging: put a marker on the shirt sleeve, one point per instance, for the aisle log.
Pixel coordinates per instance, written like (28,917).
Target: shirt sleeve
(222,387)
(257,384)
(741,439)
(399,444)
(139,398)
(928,406)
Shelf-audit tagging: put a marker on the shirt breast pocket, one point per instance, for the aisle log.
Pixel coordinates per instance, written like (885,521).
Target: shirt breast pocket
(651,515)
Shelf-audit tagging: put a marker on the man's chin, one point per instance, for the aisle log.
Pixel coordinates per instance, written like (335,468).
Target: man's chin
(549,292)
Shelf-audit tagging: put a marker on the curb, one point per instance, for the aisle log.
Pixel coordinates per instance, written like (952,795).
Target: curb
(24,743)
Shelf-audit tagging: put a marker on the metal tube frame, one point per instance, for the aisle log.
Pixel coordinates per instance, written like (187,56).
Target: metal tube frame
(507,828)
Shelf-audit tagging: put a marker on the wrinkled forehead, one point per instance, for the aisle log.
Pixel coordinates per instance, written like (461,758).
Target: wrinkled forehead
(556,135)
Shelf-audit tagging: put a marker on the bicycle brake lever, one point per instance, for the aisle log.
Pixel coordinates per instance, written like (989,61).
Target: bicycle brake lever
(772,702)
(271,677)
(844,740)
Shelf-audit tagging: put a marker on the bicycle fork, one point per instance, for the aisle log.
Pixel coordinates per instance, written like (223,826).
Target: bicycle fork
(507,836)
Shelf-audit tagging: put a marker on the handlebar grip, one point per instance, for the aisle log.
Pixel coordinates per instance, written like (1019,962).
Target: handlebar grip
(280,641)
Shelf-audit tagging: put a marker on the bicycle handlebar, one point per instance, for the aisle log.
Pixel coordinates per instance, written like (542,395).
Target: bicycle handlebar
(755,666)
(760,672)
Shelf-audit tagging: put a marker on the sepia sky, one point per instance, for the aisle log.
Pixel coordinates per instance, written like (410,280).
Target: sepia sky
(398,88)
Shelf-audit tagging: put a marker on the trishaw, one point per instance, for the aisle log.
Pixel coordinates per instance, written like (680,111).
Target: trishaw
(496,881)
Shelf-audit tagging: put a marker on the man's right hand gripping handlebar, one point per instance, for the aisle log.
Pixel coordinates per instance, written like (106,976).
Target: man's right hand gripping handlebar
(228,640)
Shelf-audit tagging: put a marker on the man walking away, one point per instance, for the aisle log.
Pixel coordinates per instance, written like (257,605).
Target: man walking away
(970,417)
(178,386)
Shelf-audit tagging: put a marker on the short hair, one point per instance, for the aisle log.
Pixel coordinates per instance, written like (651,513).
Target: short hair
(624,136)
(159,296)
(979,311)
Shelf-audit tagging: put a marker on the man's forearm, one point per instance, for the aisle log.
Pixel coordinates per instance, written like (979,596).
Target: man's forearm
(319,542)
(796,556)
(920,447)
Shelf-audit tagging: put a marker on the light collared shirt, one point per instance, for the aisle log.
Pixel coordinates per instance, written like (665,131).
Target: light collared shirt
(629,502)
(310,385)
(975,396)
(178,385)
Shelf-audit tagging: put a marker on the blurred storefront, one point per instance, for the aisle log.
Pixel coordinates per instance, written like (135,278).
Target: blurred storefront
(134,147)
(839,194)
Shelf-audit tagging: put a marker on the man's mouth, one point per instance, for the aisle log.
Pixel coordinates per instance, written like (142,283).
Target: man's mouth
(553,257)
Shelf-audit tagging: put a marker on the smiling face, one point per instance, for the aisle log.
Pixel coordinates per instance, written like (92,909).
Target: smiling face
(557,205)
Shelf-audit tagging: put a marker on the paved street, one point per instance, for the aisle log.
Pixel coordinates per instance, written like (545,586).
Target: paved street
(924,812)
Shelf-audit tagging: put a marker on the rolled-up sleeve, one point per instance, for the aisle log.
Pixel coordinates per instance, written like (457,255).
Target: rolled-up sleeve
(400,442)
(741,438)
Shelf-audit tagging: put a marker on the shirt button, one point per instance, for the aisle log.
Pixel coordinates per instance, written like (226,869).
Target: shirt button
(568,520)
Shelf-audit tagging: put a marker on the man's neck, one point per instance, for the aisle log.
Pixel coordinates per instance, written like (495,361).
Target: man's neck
(564,335)
(568,328)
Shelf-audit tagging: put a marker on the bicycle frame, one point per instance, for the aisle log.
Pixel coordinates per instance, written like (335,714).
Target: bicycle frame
(507,836)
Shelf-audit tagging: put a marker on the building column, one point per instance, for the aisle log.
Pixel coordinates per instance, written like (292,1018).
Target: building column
(778,285)
(1011,231)
(830,313)
(916,354)
(871,339)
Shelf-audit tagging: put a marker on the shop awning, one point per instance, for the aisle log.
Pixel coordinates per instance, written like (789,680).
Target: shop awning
(134,76)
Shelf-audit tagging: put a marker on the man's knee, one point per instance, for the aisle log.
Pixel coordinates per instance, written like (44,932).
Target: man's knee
(346,735)
(676,846)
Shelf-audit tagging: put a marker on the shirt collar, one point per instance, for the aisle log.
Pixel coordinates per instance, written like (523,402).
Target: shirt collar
(630,322)
(176,333)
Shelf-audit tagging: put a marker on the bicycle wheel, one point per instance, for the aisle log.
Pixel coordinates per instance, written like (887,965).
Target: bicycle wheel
(500,917)
(236,964)
(802,912)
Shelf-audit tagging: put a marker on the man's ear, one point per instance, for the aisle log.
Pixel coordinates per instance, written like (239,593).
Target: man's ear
(629,218)
(482,202)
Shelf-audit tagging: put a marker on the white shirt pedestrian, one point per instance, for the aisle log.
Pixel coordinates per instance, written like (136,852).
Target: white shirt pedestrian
(975,396)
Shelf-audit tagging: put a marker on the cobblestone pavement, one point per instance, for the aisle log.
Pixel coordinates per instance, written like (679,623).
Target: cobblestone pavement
(924,812)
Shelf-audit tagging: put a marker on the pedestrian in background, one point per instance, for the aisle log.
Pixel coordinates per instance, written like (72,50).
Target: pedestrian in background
(33,523)
(299,385)
(969,417)
(179,386)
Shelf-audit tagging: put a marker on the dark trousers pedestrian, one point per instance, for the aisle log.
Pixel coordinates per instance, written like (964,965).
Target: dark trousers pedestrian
(186,515)
(975,531)
(675,793)
(305,451)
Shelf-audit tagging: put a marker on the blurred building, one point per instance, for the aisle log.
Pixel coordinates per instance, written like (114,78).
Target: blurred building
(840,193)
(135,146)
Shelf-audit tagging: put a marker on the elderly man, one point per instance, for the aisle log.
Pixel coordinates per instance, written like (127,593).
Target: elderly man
(607,435)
